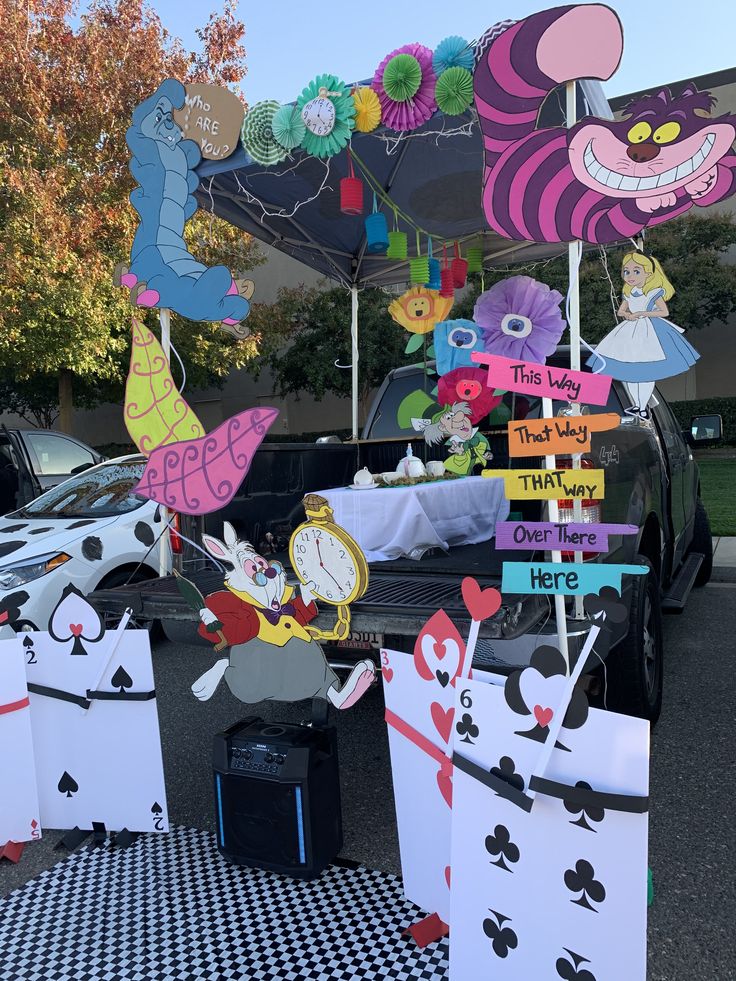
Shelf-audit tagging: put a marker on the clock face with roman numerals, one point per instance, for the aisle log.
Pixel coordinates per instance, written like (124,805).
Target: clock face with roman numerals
(319,116)
(320,556)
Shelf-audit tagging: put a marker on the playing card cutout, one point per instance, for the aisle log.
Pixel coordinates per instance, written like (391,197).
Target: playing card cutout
(19,810)
(74,618)
(537,690)
(439,650)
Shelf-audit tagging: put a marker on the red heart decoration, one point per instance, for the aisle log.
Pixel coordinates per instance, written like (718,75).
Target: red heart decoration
(444,782)
(442,720)
(481,603)
(543,715)
(438,646)
(388,674)
(447,875)
(76,628)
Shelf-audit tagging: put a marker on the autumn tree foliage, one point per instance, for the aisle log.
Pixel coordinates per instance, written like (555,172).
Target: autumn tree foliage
(68,86)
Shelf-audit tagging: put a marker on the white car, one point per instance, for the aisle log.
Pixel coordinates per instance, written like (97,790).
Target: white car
(92,530)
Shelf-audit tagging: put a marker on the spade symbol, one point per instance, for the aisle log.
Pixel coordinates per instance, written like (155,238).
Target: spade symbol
(121,679)
(28,642)
(158,821)
(156,808)
(67,785)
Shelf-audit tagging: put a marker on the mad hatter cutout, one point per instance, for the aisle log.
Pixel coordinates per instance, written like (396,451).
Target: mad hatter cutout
(162,271)
(467,447)
(601,180)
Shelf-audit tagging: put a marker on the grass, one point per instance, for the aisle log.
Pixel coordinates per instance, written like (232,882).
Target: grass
(717,479)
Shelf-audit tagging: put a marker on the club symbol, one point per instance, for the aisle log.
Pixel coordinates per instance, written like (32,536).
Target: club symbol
(500,843)
(504,939)
(571,971)
(121,680)
(467,729)
(582,879)
(67,784)
(158,821)
(591,812)
(506,771)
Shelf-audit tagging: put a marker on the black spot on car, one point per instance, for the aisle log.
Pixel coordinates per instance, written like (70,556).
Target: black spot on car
(7,547)
(80,524)
(11,529)
(10,606)
(92,548)
(144,533)
(39,531)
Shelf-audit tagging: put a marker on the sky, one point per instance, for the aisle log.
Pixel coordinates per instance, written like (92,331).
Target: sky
(288,42)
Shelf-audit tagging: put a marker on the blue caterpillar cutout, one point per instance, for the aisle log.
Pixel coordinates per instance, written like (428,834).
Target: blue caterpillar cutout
(454,341)
(162,271)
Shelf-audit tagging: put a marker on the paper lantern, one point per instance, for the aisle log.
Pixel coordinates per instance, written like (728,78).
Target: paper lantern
(351,191)
(376,231)
(474,256)
(434,282)
(459,267)
(257,134)
(397,247)
(454,91)
(288,127)
(419,269)
(367,109)
(447,282)
(452,52)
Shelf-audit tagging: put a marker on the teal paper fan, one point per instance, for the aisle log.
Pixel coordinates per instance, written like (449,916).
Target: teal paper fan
(257,134)
(327,128)
(453,52)
(288,127)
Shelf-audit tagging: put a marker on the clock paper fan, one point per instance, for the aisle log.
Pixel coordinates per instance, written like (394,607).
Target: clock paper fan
(327,109)
(257,134)
(407,114)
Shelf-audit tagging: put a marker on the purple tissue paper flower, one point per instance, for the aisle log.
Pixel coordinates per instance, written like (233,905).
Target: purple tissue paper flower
(520,318)
(405,116)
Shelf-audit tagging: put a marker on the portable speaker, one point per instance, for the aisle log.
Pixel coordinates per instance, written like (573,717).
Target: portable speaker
(277,796)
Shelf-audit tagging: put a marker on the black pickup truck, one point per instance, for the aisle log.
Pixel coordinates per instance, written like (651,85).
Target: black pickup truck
(652,482)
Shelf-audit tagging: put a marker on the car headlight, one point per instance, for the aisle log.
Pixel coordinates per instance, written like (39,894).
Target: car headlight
(12,576)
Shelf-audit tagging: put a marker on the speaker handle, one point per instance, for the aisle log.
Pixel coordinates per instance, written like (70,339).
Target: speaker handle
(247,721)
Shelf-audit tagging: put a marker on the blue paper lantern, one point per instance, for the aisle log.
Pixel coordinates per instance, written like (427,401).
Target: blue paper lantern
(434,275)
(376,233)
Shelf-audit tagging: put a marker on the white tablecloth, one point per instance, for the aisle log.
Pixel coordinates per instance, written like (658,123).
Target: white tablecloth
(391,522)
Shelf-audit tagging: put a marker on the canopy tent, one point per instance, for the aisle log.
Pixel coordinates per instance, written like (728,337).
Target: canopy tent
(432,175)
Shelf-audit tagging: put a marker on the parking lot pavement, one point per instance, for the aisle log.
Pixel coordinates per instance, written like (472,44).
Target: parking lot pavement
(691,936)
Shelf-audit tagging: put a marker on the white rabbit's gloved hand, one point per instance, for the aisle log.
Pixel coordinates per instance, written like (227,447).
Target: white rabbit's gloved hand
(207,616)
(308,592)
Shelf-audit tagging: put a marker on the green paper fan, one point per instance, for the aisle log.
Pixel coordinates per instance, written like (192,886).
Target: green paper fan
(454,91)
(288,127)
(339,136)
(257,134)
(402,77)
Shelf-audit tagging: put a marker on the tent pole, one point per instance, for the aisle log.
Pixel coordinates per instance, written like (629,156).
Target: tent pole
(573,264)
(354,355)
(164,319)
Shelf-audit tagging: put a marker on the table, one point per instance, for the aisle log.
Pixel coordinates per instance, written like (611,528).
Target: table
(395,522)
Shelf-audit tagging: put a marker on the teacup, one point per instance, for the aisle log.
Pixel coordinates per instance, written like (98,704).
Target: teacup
(435,468)
(363,476)
(391,476)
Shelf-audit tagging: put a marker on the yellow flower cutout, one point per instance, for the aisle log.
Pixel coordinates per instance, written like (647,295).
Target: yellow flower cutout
(367,109)
(419,310)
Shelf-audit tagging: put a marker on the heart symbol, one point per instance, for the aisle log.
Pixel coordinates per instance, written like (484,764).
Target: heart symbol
(447,875)
(444,782)
(438,646)
(543,715)
(443,677)
(442,720)
(388,674)
(481,603)
(76,629)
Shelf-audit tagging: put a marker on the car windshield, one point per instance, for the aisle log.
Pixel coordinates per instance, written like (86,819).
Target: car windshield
(102,492)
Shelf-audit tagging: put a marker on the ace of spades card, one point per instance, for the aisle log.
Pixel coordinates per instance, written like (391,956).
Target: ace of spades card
(94,722)
(419,692)
(558,890)
(19,812)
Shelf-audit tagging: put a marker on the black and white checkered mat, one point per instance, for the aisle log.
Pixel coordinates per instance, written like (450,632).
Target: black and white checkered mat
(170,907)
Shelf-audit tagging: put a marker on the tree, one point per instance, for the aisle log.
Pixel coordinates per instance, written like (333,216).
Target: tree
(691,249)
(315,324)
(66,98)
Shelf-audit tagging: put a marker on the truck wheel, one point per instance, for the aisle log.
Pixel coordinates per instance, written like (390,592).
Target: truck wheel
(634,668)
(703,543)
(124,577)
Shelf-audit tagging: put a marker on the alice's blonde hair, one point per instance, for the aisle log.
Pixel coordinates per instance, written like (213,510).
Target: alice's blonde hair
(656,278)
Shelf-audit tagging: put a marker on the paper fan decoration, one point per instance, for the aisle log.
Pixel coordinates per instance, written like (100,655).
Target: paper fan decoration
(367,109)
(453,52)
(257,134)
(454,91)
(406,114)
(520,318)
(327,109)
(402,76)
(288,127)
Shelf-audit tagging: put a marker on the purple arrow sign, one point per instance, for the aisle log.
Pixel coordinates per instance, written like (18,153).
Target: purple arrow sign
(571,537)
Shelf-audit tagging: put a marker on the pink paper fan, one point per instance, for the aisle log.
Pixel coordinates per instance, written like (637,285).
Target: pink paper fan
(405,116)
